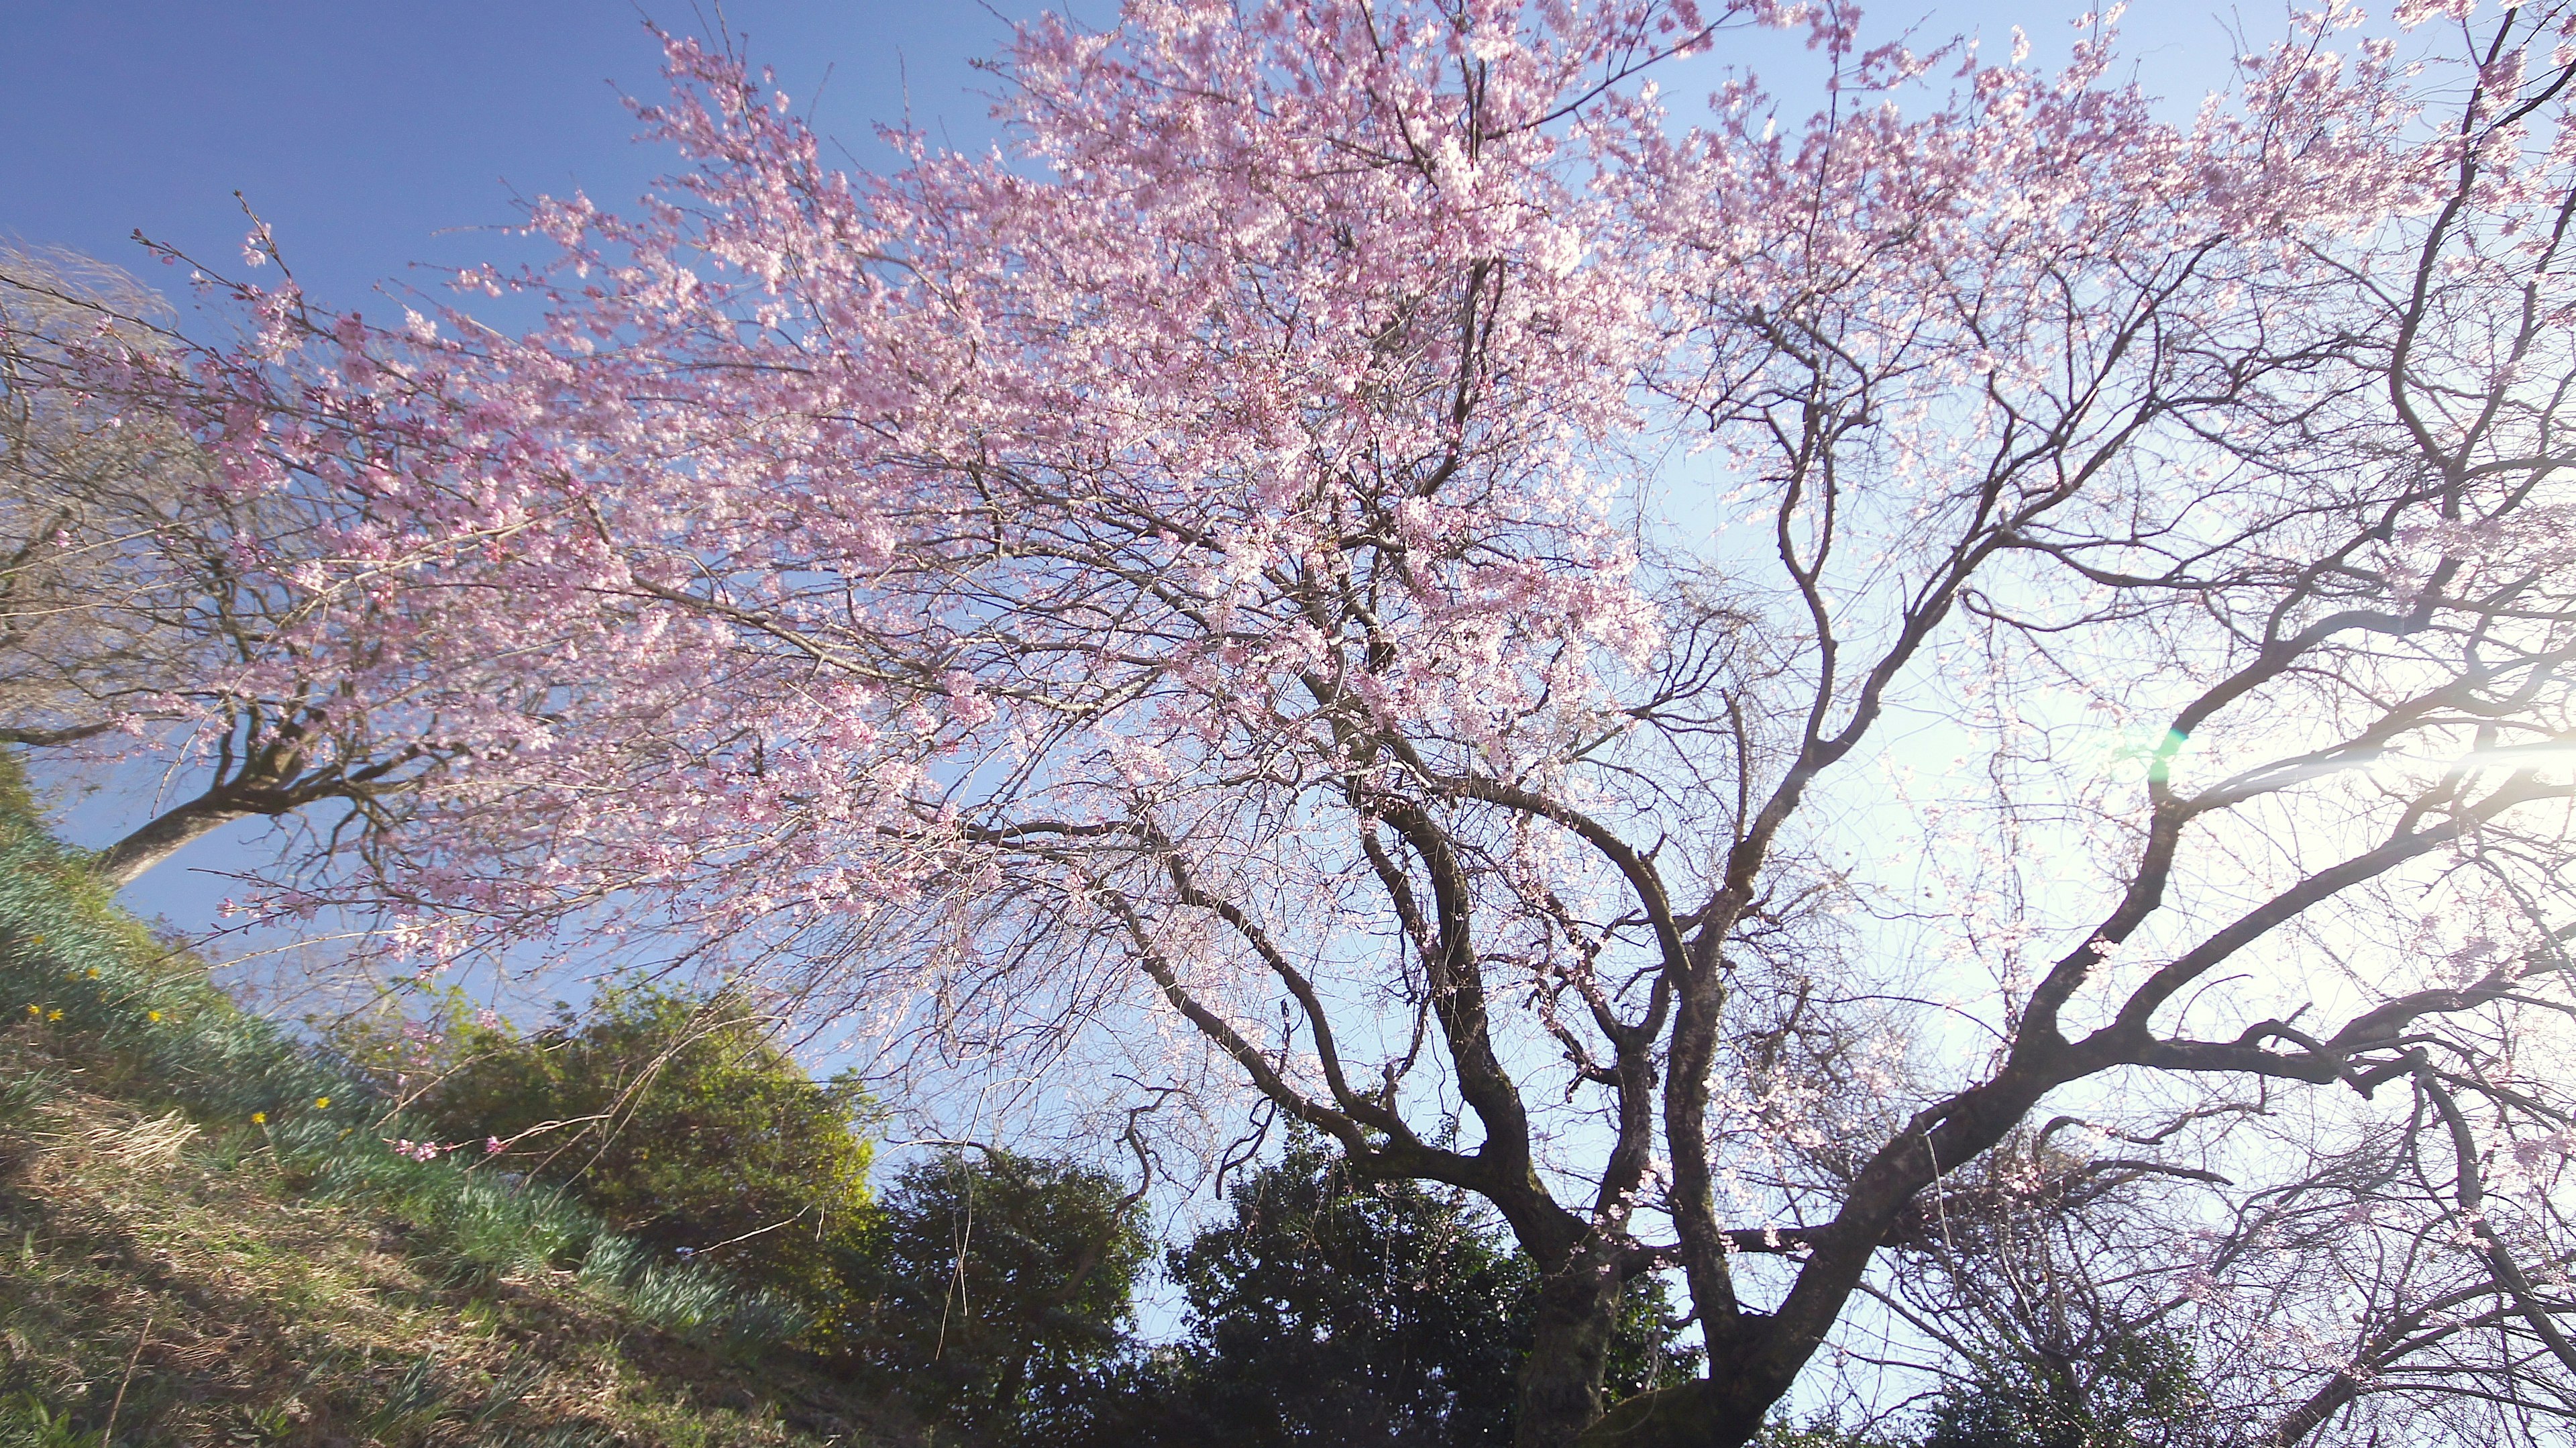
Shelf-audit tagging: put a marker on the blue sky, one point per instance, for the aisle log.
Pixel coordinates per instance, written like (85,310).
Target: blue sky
(373,136)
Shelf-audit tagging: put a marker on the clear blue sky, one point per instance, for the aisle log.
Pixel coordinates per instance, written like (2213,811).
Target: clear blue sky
(366,132)
(374,135)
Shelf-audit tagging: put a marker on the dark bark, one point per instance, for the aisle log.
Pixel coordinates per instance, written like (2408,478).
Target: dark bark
(269,778)
(54,738)
(1682,1416)
(1560,1387)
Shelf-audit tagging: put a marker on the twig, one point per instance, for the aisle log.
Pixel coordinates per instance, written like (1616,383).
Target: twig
(107,1435)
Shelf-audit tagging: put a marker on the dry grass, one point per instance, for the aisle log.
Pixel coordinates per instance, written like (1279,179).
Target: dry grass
(146,1257)
(193,1250)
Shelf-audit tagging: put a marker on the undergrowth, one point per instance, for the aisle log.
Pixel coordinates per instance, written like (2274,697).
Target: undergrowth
(207,1237)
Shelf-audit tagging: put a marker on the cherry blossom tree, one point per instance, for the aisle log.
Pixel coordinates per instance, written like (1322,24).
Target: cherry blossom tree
(183,589)
(2334,1304)
(150,609)
(1368,560)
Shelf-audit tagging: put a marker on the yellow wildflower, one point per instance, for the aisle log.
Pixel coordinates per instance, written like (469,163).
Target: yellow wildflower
(90,974)
(55,1014)
(35,1010)
(152,1016)
(259,1118)
(321,1103)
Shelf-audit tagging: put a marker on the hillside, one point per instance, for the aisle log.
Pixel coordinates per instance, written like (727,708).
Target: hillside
(206,1238)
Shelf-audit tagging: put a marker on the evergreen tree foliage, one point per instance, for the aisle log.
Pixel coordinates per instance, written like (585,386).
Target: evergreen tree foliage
(2143,1391)
(999,1281)
(1334,1310)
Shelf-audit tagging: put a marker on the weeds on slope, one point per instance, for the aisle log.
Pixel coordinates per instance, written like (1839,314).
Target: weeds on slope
(207,1228)
(155,1028)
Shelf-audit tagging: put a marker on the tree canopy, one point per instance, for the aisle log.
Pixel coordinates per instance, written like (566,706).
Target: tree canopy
(1333,1310)
(1000,1280)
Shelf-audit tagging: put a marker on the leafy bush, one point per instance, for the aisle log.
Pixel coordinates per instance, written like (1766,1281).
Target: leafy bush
(149,1023)
(680,1121)
(1335,1310)
(2143,1391)
(1000,1281)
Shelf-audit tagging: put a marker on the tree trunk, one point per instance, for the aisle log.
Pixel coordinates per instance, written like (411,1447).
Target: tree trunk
(1560,1388)
(124,862)
(1681,1416)
(1723,1410)
(2311,1415)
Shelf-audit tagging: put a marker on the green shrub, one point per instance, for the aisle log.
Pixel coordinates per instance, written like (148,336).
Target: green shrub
(149,1024)
(2141,1391)
(1337,1310)
(1000,1282)
(679,1121)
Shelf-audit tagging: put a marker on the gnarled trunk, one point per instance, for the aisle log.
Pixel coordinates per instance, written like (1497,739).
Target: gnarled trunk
(1560,1387)
(1723,1410)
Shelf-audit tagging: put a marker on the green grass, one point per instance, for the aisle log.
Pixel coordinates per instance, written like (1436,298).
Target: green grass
(205,1238)
(73,964)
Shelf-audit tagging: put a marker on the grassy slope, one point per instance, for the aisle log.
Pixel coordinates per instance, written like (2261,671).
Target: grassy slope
(204,1277)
